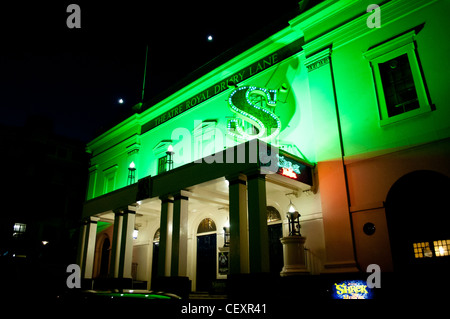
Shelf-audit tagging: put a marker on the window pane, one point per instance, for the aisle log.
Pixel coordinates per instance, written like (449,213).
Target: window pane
(272,214)
(398,86)
(422,250)
(109,184)
(162,164)
(441,248)
(206,225)
(19,230)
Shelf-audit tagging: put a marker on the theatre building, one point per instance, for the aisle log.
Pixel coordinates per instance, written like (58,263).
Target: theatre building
(342,115)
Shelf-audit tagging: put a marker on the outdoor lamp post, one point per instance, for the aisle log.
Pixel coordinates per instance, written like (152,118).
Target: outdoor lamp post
(293,246)
(169,160)
(293,217)
(131,173)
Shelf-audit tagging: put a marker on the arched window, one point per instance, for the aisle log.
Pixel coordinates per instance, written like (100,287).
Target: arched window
(273,215)
(206,225)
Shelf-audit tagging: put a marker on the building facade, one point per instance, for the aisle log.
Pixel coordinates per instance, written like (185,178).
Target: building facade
(45,173)
(343,113)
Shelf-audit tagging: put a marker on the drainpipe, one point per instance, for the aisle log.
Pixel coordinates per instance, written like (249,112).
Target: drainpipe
(341,144)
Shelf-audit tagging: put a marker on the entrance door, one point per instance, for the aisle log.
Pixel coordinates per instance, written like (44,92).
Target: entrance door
(418,224)
(206,261)
(104,261)
(275,248)
(155,260)
(155,255)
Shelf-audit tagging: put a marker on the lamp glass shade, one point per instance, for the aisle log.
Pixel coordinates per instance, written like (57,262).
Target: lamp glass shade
(291,207)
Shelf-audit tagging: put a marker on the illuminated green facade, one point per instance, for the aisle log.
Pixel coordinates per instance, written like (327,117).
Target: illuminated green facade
(360,106)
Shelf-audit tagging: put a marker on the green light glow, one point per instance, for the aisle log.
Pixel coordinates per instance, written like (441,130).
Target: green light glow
(283,163)
(101,226)
(131,295)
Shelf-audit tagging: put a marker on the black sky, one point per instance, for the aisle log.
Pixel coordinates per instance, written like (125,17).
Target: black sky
(76,76)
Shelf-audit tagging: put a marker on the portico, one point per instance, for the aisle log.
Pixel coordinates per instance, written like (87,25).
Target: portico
(174,203)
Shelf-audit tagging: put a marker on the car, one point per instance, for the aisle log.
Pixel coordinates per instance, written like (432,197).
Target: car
(116,296)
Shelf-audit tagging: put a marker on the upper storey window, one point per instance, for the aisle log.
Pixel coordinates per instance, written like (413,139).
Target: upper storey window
(398,86)
(110,175)
(398,79)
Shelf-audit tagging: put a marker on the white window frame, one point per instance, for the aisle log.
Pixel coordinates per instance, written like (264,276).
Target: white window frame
(403,44)
(205,138)
(110,174)
(159,150)
(92,181)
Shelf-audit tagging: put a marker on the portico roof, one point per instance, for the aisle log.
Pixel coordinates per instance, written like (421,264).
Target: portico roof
(249,158)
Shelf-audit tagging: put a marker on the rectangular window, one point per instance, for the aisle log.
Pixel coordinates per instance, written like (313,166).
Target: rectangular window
(442,248)
(439,248)
(205,138)
(19,230)
(92,182)
(162,164)
(398,80)
(422,250)
(109,183)
(398,86)
(110,176)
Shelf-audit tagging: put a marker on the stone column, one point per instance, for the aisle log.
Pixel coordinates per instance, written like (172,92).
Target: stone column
(239,260)
(165,239)
(87,247)
(178,265)
(115,246)
(257,223)
(122,248)
(126,249)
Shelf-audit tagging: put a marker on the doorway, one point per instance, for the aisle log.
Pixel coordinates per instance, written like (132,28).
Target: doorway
(206,261)
(104,260)
(275,248)
(275,233)
(418,223)
(206,255)
(155,255)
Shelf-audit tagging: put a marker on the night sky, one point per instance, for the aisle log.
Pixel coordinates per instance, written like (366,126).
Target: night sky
(76,76)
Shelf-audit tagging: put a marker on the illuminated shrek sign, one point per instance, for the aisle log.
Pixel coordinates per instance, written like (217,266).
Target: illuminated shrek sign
(293,169)
(215,88)
(251,104)
(352,289)
(288,168)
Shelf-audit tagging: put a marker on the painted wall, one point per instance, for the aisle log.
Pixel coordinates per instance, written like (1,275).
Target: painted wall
(376,156)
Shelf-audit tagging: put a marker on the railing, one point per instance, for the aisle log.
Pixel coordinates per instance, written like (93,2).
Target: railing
(312,261)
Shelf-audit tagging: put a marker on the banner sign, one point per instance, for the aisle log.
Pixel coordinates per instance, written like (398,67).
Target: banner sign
(221,86)
(224,265)
(293,169)
(352,289)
